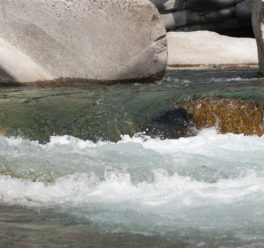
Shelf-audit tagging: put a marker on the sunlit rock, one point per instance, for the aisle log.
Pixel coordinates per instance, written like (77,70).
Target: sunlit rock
(209,49)
(98,41)
(228,115)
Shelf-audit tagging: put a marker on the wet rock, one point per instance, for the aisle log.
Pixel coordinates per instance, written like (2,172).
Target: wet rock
(171,124)
(207,5)
(228,115)
(98,41)
(258,22)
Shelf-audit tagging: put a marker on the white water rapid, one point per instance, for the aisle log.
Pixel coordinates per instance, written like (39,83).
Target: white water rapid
(210,183)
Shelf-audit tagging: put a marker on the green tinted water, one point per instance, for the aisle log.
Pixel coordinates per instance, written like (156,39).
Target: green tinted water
(105,112)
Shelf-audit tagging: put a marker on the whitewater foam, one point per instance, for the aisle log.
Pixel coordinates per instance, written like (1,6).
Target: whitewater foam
(140,182)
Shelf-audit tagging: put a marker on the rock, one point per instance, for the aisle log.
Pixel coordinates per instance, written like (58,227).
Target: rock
(228,115)
(244,11)
(211,17)
(169,5)
(206,5)
(258,26)
(175,20)
(209,48)
(172,124)
(98,41)
(183,18)
(229,17)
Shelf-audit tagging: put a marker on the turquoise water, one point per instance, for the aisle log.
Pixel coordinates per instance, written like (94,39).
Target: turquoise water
(202,191)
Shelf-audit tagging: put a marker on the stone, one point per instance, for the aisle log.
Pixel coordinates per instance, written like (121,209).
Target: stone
(209,49)
(169,5)
(258,26)
(229,17)
(172,124)
(207,5)
(244,11)
(211,17)
(175,20)
(95,41)
(227,115)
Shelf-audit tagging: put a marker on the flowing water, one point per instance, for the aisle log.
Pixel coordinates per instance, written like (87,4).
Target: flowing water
(70,190)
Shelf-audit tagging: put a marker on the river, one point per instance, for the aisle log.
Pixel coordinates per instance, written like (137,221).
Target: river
(77,170)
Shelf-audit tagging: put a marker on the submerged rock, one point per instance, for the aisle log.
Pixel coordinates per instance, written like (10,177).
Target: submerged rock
(258,26)
(98,41)
(172,124)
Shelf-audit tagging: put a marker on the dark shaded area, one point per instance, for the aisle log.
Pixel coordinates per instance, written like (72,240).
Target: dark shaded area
(205,5)
(226,17)
(172,124)
(6,79)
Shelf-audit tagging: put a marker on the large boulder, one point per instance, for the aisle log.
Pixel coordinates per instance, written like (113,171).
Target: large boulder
(98,41)
(258,26)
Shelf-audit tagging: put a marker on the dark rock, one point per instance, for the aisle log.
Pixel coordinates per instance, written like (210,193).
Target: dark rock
(244,10)
(211,17)
(228,17)
(207,5)
(172,124)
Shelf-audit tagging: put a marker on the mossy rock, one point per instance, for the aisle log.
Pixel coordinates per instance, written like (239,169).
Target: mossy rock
(228,115)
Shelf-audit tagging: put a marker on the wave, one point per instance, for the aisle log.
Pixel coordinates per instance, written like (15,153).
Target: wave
(150,184)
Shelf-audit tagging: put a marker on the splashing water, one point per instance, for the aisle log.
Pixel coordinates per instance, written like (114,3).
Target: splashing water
(211,184)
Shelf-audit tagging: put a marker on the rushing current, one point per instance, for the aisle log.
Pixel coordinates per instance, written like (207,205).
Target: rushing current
(203,191)
(209,185)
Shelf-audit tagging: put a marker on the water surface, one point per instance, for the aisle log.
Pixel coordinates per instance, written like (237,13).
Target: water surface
(86,191)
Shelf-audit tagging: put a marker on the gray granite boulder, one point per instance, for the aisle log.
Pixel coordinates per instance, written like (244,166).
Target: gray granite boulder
(98,41)
(258,26)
